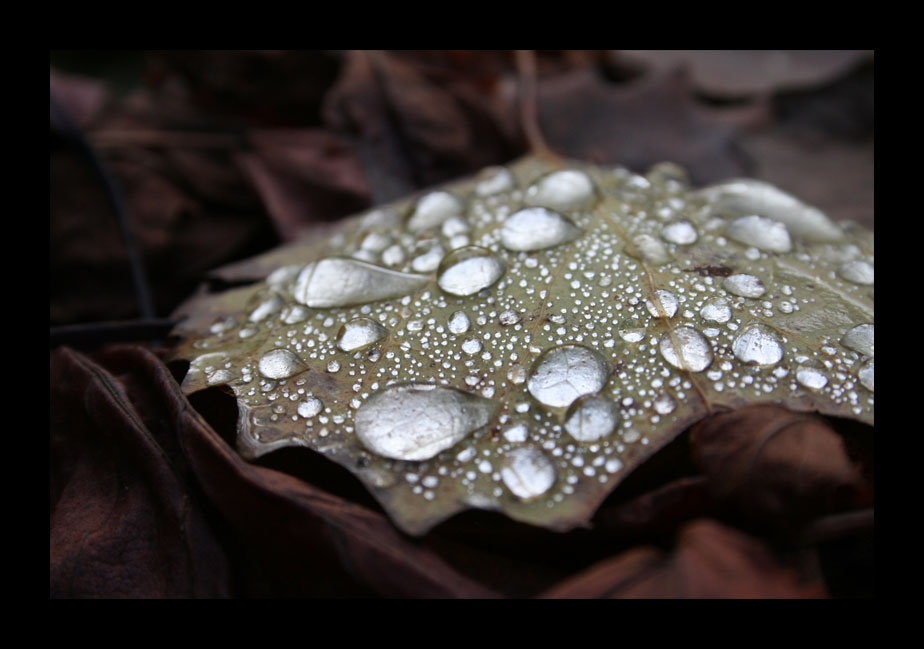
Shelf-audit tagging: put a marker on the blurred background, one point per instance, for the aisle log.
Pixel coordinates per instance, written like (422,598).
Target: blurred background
(208,157)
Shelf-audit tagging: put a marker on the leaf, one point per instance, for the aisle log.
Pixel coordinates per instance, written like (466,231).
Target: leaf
(532,381)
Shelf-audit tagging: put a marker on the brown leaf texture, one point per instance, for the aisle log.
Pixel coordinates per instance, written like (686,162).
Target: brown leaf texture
(778,467)
(709,561)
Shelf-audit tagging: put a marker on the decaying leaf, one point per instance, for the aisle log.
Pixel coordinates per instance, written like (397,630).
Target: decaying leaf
(454,357)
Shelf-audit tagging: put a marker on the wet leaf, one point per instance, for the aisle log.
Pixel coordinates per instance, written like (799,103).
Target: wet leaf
(532,379)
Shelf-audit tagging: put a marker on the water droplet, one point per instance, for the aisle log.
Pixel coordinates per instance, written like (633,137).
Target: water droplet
(527,472)
(310,407)
(811,377)
(858,272)
(468,270)
(280,364)
(562,374)
(748,197)
(516,433)
(859,339)
(562,190)
(517,374)
(494,180)
(681,233)
(650,250)
(393,255)
(631,330)
(282,275)
(866,375)
(220,377)
(266,309)
(455,226)
(537,228)
(333,366)
(471,346)
(428,261)
(433,209)
(509,317)
(716,310)
(459,322)
(665,404)
(758,344)
(222,325)
(294,314)
(591,417)
(666,305)
(744,285)
(694,354)
(337,282)
(359,333)
(416,421)
(760,232)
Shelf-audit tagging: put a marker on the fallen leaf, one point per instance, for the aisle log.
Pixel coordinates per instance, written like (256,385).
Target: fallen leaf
(521,341)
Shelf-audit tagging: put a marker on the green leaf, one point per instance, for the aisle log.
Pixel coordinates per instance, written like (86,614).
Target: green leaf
(537,333)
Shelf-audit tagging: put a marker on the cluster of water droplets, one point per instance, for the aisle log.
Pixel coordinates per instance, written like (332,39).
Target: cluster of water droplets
(522,335)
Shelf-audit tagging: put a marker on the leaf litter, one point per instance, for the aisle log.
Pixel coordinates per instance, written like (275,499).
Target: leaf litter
(532,378)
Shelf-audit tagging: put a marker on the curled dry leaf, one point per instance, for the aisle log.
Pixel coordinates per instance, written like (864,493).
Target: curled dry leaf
(426,329)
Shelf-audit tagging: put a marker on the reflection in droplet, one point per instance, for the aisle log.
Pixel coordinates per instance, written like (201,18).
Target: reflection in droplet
(760,232)
(468,270)
(459,322)
(359,333)
(280,364)
(692,351)
(665,307)
(859,339)
(562,374)
(337,282)
(716,310)
(758,344)
(866,375)
(433,209)
(744,285)
(415,421)
(527,472)
(591,417)
(562,190)
(310,407)
(537,228)
(681,233)
(858,272)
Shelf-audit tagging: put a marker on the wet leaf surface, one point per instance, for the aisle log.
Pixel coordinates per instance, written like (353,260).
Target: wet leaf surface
(618,316)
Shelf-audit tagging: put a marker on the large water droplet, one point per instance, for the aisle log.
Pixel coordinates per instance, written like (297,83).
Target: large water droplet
(681,233)
(562,374)
(758,344)
(415,421)
(337,282)
(690,352)
(459,322)
(664,305)
(562,190)
(468,270)
(359,333)
(760,232)
(591,417)
(716,310)
(527,472)
(744,285)
(866,375)
(537,228)
(494,180)
(858,272)
(745,196)
(859,339)
(433,209)
(280,364)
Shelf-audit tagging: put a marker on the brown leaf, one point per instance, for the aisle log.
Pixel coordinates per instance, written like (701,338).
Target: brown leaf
(708,561)
(777,467)
(83,98)
(660,510)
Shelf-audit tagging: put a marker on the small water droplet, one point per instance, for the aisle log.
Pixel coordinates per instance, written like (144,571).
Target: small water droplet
(471,346)
(527,472)
(591,418)
(516,433)
(416,421)
(459,323)
(631,330)
(562,374)
(433,209)
(359,333)
(494,180)
(857,272)
(509,317)
(866,375)
(537,228)
(664,404)
(310,407)
(758,344)
(333,366)
(760,232)
(716,310)
(562,190)
(744,285)
(428,261)
(666,305)
(294,314)
(650,250)
(222,325)
(811,377)
(859,339)
(467,270)
(517,374)
(393,255)
(681,233)
(280,364)
(694,353)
